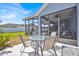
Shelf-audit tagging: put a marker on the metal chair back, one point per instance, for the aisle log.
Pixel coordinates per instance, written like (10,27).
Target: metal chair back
(49,43)
(53,34)
(22,40)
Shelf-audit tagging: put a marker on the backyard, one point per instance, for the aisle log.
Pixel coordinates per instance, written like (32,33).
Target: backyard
(9,39)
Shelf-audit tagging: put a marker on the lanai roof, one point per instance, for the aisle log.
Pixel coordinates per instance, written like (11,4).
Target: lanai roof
(37,13)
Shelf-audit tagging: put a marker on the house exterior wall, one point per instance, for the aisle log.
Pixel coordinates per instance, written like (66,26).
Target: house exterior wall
(53,7)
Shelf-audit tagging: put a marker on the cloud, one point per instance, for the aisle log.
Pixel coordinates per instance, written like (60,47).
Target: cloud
(8,16)
(12,13)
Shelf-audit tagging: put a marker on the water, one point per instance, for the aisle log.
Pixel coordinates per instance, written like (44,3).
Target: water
(12,29)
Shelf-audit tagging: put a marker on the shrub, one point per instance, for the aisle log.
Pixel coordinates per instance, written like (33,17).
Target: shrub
(6,38)
(3,40)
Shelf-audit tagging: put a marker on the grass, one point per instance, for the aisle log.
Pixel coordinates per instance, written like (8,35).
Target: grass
(12,38)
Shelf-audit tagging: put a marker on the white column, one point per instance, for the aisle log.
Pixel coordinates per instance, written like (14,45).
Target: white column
(39,25)
(58,27)
(78,25)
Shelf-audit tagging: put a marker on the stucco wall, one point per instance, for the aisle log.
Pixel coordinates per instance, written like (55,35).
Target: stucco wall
(53,7)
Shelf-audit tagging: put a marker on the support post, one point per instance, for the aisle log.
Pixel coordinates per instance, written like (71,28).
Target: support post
(32,25)
(78,25)
(48,28)
(28,26)
(25,27)
(58,27)
(39,25)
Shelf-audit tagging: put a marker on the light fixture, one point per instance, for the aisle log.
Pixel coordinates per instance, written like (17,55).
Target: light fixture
(57,16)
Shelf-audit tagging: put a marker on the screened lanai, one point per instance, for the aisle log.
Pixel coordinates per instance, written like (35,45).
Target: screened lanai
(61,21)
(64,22)
(31,25)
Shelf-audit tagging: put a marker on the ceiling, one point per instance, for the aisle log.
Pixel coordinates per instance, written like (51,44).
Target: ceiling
(62,14)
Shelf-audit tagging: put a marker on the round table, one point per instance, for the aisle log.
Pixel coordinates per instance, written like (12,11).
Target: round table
(37,39)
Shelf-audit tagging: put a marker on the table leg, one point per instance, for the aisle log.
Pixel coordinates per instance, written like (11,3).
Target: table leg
(37,48)
(62,50)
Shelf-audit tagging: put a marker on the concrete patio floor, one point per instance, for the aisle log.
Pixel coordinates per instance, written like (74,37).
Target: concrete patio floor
(68,50)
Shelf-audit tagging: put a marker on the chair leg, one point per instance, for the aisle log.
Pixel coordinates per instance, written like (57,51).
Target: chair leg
(35,52)
(62,50)
(55,51)
(22,51)
(41,51)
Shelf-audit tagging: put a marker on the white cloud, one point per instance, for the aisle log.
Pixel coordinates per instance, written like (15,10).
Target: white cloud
(9,16)
(12,13)
(17,8)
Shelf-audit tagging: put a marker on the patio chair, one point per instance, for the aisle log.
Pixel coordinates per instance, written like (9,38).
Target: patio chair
(53,34)
(27,47)
(49,44)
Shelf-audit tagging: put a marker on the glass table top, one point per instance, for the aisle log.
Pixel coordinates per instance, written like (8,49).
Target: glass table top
(37,37)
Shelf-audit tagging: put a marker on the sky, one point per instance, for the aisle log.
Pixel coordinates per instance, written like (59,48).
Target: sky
(15,12)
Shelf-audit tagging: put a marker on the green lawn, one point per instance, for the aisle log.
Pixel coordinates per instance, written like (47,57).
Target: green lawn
(12,34)
(12,37)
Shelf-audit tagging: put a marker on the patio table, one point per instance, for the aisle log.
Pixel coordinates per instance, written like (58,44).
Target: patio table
(37,39)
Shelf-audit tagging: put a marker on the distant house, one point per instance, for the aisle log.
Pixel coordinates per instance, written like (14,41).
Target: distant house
(60,17)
